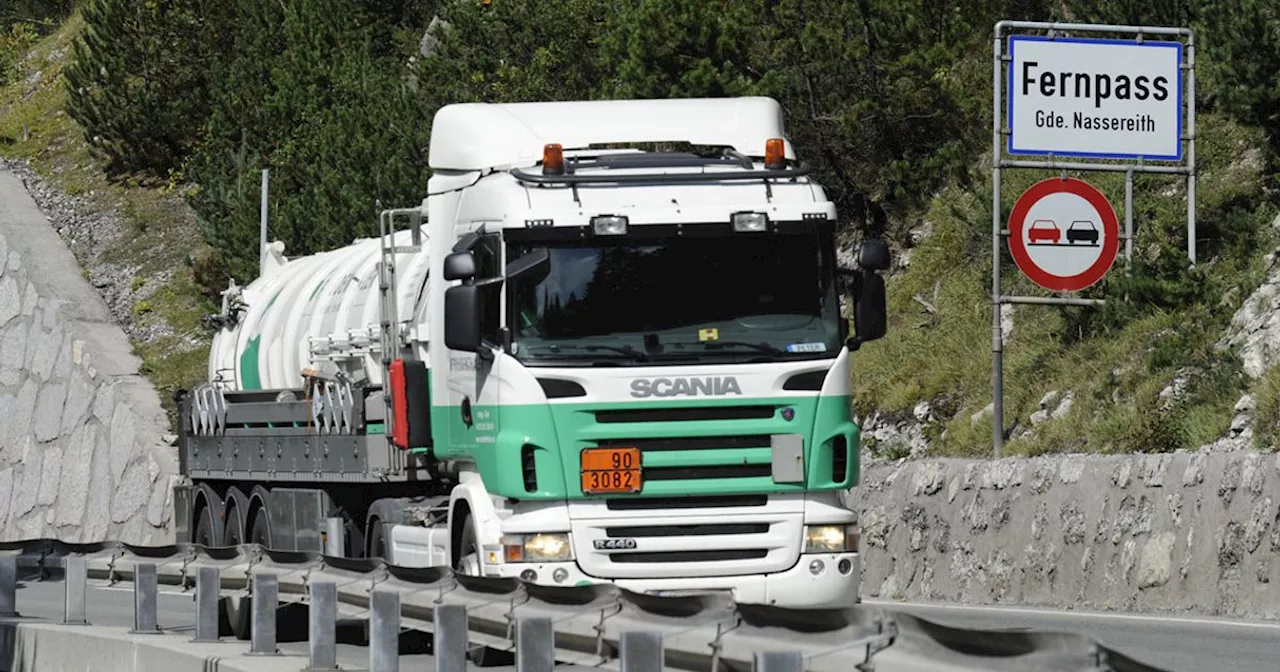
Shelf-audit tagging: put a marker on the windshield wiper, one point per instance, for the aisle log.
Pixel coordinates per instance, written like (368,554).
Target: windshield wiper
(626,351)
(718,345)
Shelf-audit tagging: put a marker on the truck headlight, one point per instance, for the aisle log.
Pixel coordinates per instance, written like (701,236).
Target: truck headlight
(830,538)
(542,547)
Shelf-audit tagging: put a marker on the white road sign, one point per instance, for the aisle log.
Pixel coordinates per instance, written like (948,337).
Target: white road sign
(1097,98)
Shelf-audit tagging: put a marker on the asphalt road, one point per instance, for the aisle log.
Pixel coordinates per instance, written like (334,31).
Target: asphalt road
(1173,644)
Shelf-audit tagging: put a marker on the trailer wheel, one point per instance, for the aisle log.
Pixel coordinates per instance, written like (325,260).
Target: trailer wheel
(204,528)
(237,609)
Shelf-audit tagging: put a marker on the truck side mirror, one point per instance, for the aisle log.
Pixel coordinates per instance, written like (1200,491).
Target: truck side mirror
(873,255)
(462,317)
(459,266)
(870,316)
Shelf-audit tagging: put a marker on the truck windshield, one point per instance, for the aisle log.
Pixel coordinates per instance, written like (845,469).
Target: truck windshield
(676,300)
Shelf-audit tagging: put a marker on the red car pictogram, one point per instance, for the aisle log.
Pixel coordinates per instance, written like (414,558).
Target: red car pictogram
(1044,230)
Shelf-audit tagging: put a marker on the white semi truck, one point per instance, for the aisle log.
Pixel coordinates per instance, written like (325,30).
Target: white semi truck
(586,357)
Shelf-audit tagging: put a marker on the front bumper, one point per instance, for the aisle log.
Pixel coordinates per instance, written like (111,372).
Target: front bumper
(797,588)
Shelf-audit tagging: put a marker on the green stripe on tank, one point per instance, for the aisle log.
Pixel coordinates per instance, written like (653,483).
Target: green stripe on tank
(249,376)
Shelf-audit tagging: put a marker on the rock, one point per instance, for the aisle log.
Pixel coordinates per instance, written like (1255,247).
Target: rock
(929,478)
(1230,480)
(160,505)
(1070,469)
(43,352)
(6,494)
(1153,470)
(1039,417)
(986,413)
(1194,473)
(50,473)
(1255,529)
(76,471)
(123,434)
(923,412)
(13,351)
(28,487)
(1006,322)
(79,399)
(131,493)
(1047,399)
(1123,474)
(1064,407)
(24,409)
(29,300)
(104,402)
(49,407)
(1246,404)
(98,501)
(10,299)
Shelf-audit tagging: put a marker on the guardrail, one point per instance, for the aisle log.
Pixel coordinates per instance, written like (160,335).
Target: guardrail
(538,626)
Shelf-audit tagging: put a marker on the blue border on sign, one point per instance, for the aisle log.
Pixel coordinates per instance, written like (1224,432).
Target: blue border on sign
(1159,44)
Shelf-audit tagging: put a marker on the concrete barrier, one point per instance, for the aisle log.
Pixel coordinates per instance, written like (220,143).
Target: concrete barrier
(1192,533)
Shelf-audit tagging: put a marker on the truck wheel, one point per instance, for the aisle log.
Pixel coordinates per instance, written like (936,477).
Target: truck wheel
(468,560)
(377,540)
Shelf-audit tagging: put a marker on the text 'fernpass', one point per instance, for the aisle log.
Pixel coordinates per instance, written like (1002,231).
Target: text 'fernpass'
(1098,98)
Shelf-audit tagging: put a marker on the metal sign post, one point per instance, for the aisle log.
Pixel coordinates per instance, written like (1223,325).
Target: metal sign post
(1081,104)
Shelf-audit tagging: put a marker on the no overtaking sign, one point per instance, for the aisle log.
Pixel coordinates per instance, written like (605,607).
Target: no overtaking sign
(1063,234)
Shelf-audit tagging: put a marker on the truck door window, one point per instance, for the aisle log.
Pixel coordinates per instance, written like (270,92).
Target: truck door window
(488,257)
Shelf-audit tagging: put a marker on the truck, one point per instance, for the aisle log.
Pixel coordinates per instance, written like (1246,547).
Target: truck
(608,346)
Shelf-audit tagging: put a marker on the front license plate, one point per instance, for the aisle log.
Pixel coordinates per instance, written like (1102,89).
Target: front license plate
(610,470)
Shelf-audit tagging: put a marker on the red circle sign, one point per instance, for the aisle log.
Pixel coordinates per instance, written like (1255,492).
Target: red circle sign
(1063,234)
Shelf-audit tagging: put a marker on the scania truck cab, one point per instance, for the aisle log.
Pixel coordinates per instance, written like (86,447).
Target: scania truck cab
(608,347)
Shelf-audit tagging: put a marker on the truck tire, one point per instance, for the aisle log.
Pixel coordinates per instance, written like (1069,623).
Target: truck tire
(236,609)
(468,560)
(204,528)
(377,540)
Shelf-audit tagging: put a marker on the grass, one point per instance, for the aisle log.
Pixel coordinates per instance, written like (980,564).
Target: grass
(158,236)
(1117,370)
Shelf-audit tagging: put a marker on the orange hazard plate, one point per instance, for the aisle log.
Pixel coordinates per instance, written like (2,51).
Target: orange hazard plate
(610,470)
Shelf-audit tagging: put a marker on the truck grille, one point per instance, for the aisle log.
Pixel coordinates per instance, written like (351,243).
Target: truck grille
(693,544)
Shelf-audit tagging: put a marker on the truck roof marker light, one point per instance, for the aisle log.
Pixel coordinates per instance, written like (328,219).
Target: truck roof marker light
(750,221)
(609,225)
(775,157)
(552,159)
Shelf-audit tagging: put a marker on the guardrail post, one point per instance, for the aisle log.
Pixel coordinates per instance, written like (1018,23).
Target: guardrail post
(145,589)
(8,584)
(262,630)
(535,645)
(322,639)
(641,651)
(778,661)
(451,642)
(208,590)
(75,579)
(384,631)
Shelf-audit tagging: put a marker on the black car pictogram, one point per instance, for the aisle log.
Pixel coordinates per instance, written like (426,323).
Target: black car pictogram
(1082,230)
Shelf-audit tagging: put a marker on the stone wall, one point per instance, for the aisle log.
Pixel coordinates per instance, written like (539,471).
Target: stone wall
(1195,533)
(83,455)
